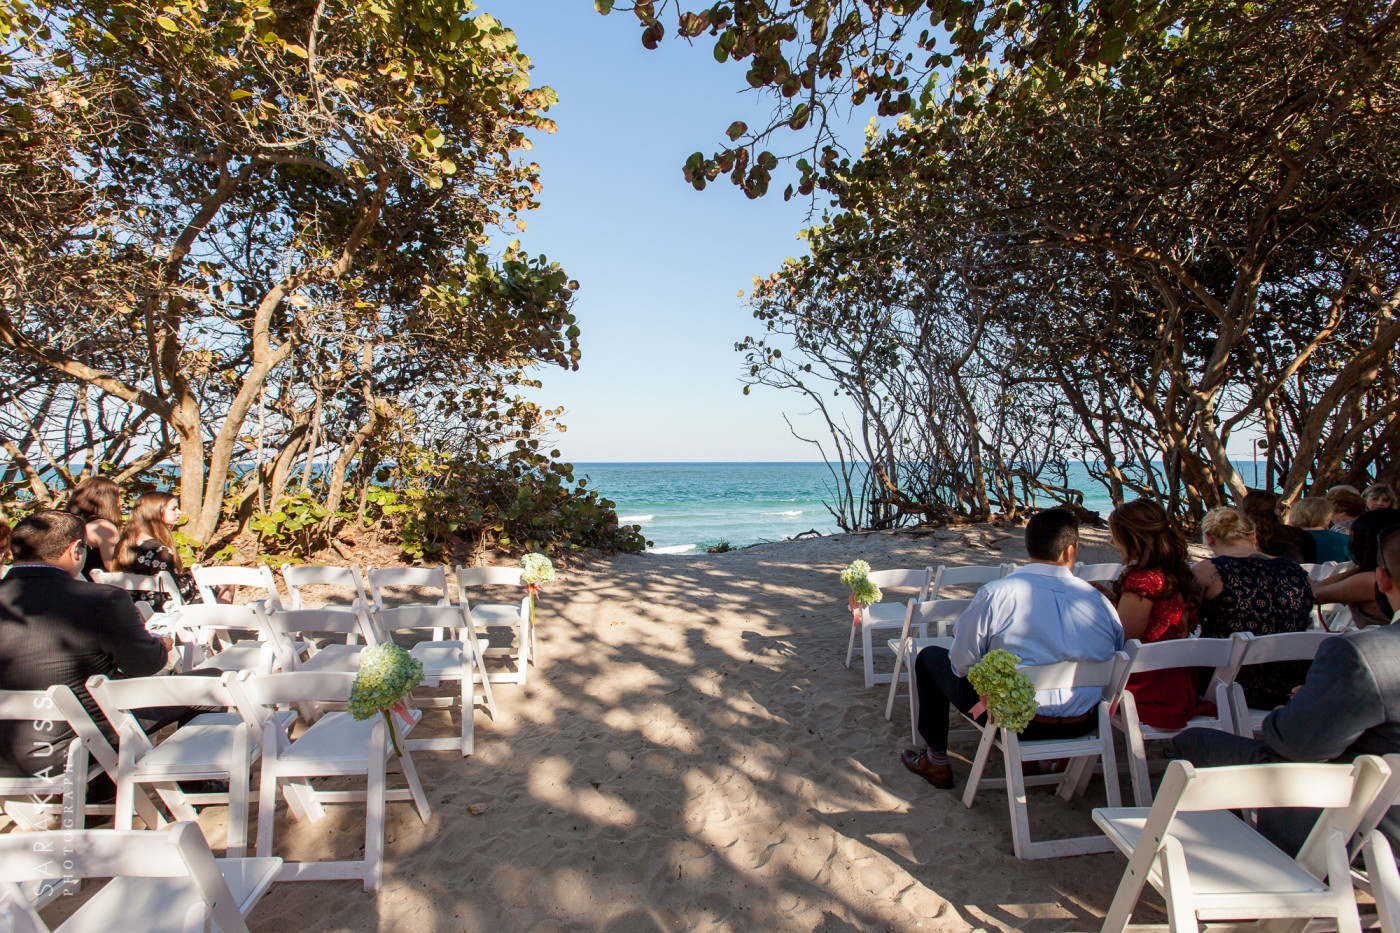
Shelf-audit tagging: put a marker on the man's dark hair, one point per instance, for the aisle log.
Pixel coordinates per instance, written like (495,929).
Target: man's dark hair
(1048,533)
(45,535)
(1388,540)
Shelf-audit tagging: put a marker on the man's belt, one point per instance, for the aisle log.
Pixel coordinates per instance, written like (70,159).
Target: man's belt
(1062,719)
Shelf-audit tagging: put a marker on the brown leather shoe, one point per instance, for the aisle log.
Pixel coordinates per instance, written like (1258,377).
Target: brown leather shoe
(938,775)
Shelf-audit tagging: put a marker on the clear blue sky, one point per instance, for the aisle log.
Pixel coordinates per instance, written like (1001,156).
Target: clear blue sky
(660,264)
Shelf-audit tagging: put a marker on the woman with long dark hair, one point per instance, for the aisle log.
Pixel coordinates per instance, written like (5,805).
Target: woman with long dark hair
(1356,588)
(147,544)
(98,502)
(1157,596)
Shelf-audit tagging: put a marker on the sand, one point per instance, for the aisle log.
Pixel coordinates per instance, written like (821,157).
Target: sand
(691,753)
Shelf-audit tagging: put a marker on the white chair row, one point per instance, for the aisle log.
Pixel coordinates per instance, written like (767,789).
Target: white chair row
(884,617)
(256,727)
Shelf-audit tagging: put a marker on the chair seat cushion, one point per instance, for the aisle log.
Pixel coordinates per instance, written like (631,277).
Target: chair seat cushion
(338,737)
(884,612)
(158,905)
(496,614)
(439,657)
(1224,855)
(191,748)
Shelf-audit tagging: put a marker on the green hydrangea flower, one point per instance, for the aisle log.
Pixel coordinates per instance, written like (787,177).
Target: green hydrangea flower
(537,570)
(858,570)
(865,592)
(1010,696)
(387,675)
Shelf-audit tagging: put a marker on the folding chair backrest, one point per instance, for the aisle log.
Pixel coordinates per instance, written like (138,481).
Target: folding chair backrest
(1065,675)
(311,575)
(487,576)
(380,578)
(269,690)
(162,582)
(936,612)
(117,698)
(903,579)
(422,617)
(1284,784)
(17,914)
(290,623)
(1095,572)
(255,578)
(71,709)
(1284,646)
(180,852)
(1215,653)
(974,576)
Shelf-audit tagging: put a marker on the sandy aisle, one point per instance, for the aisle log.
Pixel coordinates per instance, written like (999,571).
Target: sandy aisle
(691,754)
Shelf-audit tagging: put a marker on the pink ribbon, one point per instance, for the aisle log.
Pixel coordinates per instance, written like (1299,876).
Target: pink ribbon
(855,610)
(404,714)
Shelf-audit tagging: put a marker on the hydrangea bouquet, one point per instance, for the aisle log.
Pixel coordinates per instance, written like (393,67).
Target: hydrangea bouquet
(387,676)
(864,592)
(536,571)
(1008,693)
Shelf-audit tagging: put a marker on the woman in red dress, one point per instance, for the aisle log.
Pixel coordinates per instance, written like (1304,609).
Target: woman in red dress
(1157,596)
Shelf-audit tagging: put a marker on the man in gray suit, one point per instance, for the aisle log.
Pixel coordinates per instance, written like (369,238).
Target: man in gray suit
(1349,706)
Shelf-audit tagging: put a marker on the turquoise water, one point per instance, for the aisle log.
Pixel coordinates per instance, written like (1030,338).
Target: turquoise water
(688,507)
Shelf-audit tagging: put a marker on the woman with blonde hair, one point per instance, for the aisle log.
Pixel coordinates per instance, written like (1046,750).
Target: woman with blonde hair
(148,546)
(1245,590)
(1156,597)
(98,502)
(1313,514)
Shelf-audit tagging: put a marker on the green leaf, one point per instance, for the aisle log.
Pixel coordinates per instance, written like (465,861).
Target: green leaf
(603,6)
(166,23)
(240,94)
(736,129)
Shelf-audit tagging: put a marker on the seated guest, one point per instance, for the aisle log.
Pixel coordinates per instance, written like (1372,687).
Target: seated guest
(1042,614)
(1347,707)
(1313,514)
(1245,590)
(1271,535)
(1347,506)
(1380,496)
(1357,588)
(98,502)
(58,629)
(147,545)
(1156,596)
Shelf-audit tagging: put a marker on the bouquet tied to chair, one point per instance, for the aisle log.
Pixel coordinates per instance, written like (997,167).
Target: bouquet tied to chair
(536,571)
(864,591)
(1006,692)
(387,676)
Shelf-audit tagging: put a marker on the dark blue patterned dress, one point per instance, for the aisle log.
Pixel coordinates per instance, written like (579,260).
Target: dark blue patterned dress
(1262,595)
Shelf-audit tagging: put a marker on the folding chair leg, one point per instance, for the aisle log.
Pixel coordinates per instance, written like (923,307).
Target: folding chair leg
(415,787)
(521,661)
(979,762)
(1181,910)
(867,655)
(374,811)
(241,764)
(894,685)
(480,668)
(174,800)
(267,808)
(851,646)
(1016,798)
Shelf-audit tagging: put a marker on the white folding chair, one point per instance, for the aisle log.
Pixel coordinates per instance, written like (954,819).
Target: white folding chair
(1209,864)
(297,577)
(1267,649)
(1220,654)
(294,630)
(884,617)
(166,882)
(433,579)
(208,625)
(336,745)
(39,801)
(211,746)
(457,659)
(919,616)
(1081,751)
(162,582)
(974,576)
(259,579)
(515,616)
(1091,573)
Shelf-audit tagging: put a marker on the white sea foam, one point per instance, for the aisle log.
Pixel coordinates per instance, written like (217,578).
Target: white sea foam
(635,519)
(675,549)
(789,514)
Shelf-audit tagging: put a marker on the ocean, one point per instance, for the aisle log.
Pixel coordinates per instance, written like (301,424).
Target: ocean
(690,507)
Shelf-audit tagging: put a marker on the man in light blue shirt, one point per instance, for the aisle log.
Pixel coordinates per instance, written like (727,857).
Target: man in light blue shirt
(1042,614)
